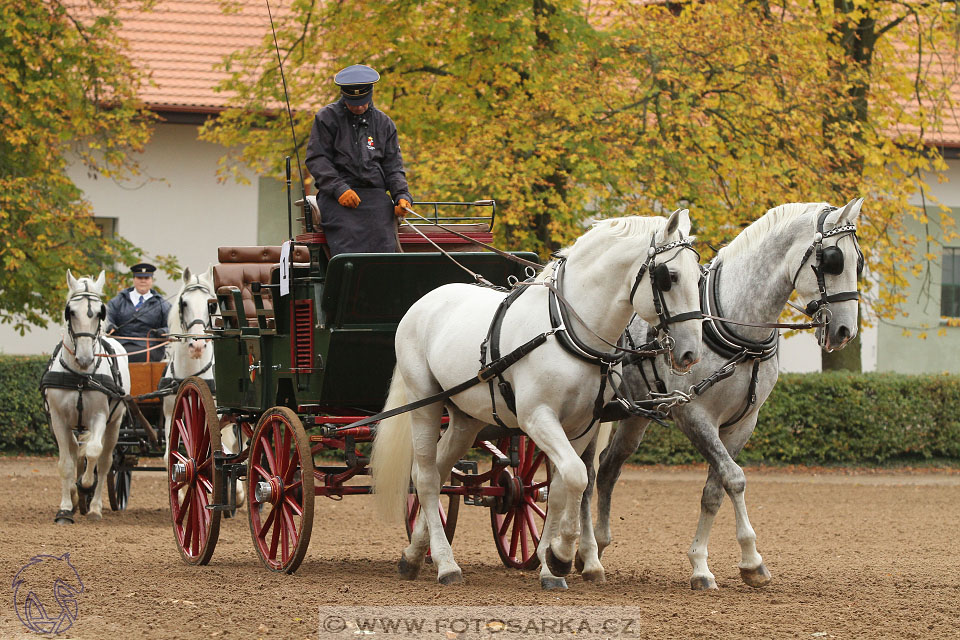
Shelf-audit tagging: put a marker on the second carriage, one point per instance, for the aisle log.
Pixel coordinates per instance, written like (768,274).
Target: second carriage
(294,368)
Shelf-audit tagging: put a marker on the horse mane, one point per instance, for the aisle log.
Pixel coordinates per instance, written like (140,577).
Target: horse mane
(773,221)
(624,228)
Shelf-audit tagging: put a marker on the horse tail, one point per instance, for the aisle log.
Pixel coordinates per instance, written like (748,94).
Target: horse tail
(603,439)
(392,458)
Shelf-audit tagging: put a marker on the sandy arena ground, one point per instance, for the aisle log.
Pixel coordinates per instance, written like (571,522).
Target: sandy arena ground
(853,555)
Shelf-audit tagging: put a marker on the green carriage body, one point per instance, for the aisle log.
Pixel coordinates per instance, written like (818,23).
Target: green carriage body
(330,345)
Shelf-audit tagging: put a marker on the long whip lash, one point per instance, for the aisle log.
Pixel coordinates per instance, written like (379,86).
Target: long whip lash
(286,97)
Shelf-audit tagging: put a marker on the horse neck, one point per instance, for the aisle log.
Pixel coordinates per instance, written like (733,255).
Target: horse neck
(594,286)
(755,284)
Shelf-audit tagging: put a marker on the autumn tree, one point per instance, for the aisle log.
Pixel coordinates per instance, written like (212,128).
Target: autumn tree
(565,110)
(67,94)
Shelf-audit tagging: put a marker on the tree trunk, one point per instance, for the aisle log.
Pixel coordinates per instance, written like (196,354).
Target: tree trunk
(846,359)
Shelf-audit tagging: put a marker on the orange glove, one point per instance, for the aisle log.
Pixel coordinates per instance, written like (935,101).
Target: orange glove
(349,199)
(400,210)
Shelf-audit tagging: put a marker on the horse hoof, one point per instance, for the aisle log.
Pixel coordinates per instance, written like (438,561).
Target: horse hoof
(64,517)
(759,577)
(94,516)
(557,566)
(597,576)
(553,583)
(454,577)
(408,570)
(703,583)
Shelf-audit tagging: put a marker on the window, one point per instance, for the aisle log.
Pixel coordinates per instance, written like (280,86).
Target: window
(950,283)
(107,226)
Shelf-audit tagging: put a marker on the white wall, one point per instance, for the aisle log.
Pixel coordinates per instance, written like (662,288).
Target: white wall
(175,207)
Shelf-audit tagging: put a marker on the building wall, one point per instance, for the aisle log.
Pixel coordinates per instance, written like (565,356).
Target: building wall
(909,353)
(175,207)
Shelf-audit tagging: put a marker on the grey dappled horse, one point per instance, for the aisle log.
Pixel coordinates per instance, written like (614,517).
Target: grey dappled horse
(761,268)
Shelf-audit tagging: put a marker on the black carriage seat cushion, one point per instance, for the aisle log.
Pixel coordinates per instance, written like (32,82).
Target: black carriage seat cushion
(241,266)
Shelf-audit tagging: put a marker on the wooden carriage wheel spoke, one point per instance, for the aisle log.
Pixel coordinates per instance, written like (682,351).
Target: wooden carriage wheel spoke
(179,457)
(268,454)
(260,470)
(290,502)
(183,505)
(207,485)
(515,536)
(507,518)
(536,508)
(275,539)
(534,467)
(285,452)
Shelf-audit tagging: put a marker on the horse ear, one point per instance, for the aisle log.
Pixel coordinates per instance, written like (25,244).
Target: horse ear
(71,281)
(673,223)
(101,280)
(851,212)
(187,275)
(684,223)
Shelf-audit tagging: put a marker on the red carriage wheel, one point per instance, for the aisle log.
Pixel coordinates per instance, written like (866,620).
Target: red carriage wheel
(192,483)
(448,515)
(518,519)
(280,490)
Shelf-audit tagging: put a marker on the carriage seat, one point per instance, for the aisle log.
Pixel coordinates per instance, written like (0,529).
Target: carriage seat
(241,266)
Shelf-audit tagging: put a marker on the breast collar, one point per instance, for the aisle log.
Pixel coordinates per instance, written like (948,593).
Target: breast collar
(720,337)
(560,322)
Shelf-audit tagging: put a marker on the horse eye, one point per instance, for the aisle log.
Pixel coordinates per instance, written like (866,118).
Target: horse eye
(675,277)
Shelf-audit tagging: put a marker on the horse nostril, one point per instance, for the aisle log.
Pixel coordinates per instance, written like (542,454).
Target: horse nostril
(687,359)
(843,332)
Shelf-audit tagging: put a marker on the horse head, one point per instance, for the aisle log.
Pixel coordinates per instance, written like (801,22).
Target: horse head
(83,314)
(826,280)
(195,304)
(672,279)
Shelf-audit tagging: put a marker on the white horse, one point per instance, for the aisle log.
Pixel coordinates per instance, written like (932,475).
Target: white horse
(556,392)
(761,268)
(191,315)
(95,412)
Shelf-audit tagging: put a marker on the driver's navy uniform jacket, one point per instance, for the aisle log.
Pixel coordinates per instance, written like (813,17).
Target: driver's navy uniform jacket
(355,152)
(360,153)
(150,320)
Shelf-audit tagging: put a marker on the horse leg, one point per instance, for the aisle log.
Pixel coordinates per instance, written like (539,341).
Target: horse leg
(587,560)
(569,483)
(624,443)
(455,442)
(67,466)
(105,460)
(427,478)
(724,476)
(99,457)
(548,581)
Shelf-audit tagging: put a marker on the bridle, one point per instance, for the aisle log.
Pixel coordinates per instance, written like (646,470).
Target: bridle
(68,315)
(829,260)
(660,282)
(211,306)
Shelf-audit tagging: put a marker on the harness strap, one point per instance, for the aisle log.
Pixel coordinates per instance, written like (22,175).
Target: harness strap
(484,375)
(492,343)
(751,396)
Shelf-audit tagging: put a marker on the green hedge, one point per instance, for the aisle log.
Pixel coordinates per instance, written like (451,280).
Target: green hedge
(23,424)
(840,418)
(831,418)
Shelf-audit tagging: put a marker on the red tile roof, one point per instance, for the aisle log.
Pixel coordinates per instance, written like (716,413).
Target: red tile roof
(181,42)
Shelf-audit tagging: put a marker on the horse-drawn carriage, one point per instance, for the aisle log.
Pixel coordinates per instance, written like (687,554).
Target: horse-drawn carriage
(293,368)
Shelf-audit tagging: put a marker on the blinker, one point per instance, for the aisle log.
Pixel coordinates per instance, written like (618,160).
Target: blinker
(832,261)
(661,277)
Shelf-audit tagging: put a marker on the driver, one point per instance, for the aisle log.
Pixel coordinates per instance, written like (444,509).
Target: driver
(354,158)
(139,312)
